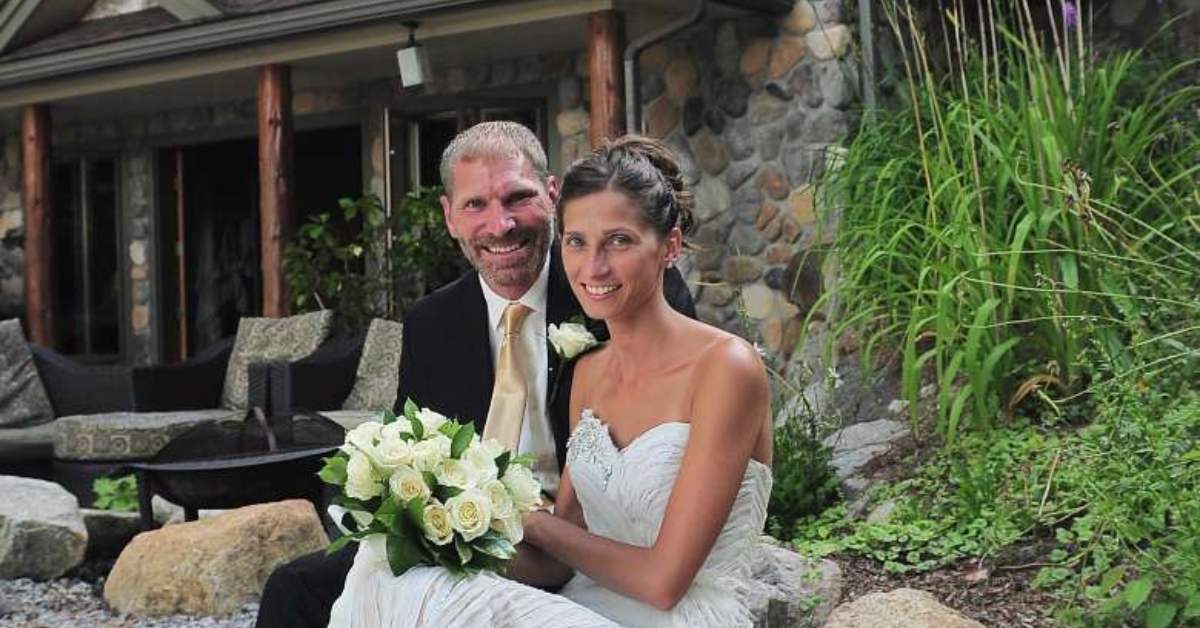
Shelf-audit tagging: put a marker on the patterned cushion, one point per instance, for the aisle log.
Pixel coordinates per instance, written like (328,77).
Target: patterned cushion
(23,399)
(350,419)
(270,339)
(378,373)
(125,435)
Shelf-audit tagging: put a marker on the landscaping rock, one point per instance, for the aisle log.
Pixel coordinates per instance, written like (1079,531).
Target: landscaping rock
(901,608)
(42,535)
(789,590)
(857,445)
(212,566)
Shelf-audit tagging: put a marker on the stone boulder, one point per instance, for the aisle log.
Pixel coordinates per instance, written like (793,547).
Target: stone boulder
(42,535)
(858,448)
(902,608)
(212,566)
(790,591)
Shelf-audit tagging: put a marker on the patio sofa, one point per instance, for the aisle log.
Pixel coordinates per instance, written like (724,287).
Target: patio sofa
(148,406)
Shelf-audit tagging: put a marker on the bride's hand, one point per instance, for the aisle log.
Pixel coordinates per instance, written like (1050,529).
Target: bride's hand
(533,522)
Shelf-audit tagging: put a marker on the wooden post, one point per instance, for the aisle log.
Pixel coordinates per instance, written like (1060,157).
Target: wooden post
(606,40)
(274,181)
(39,263)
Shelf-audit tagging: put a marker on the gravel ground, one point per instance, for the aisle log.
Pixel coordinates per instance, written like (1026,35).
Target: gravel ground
(78,601)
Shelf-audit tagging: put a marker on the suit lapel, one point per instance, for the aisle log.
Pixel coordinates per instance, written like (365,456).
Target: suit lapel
(472,338)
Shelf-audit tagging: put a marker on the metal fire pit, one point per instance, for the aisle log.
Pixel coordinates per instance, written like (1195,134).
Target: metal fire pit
(237,463)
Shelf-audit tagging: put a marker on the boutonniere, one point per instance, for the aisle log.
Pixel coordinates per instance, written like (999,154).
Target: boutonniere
(570,339)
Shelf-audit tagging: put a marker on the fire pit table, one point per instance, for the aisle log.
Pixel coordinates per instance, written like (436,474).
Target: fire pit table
(237,463)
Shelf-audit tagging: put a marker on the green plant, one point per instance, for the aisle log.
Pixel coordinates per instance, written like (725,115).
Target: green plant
(1025,228)
(117,494)
(805,483)
(326,264)
(364,265)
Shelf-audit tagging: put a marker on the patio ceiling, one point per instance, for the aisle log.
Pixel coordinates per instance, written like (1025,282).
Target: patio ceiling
(337,57)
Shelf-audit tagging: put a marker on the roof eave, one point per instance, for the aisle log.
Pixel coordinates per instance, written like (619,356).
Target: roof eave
(215,35)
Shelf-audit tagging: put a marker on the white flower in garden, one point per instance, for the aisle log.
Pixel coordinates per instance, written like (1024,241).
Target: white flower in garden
(470,513)
(408,484)
(391,453)
(454,473)
(482,462)
(430,420)
(570,339)
(437,524)
(501,502)
(362,481)
(510,527)
(428,453)
(525,490)
(363,437)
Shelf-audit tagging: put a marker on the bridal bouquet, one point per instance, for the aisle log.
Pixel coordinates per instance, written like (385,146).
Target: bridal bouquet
(436,492)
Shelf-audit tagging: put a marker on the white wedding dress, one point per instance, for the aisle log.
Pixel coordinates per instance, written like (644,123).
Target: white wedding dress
(624,493)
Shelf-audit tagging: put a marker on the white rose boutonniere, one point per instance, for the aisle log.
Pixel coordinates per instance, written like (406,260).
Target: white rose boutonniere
(570,339)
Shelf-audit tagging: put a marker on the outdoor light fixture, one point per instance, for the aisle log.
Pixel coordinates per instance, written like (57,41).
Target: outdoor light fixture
(414,63)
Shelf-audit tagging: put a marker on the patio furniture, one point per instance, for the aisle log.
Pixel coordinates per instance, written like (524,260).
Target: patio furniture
(231,463)
(348,381)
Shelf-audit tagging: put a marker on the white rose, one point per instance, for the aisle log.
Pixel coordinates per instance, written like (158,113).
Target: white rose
(408,484)
(482,462)
(454,473)
(391,453)
(394,429)
(470,514)
(499,499)
(363,437)
(570,339)
(437,524)
(430,420)
(510,527)
(525,490)
(430,452)
(362,480)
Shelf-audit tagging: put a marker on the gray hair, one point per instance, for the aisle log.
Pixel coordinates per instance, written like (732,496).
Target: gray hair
(495,139)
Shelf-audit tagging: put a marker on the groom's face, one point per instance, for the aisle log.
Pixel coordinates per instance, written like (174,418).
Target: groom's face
(502,216)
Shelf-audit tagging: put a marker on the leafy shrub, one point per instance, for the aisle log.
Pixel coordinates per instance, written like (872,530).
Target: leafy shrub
(351,261)
(805,483)
(116,494)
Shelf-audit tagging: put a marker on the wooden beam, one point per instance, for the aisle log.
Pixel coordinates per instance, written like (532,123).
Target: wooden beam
(274,181)
(606,40)
(39,263)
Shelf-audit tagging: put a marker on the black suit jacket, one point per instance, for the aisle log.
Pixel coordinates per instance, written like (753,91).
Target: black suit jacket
(446,356)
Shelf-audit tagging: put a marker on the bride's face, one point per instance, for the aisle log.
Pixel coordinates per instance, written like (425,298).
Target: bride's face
(613,258)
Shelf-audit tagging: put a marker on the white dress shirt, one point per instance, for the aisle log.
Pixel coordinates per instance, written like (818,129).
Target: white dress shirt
(536,435)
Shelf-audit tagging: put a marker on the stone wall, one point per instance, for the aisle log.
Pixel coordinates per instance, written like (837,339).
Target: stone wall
(752,106)
(12,231)
(137,218)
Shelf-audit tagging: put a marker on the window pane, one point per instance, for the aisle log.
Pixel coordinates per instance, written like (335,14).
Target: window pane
(68,257)
(104,278)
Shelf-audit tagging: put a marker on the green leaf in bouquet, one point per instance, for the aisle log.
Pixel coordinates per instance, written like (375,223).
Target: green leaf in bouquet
(464,551)
(334,471)
(418,429)
(494,544)
(415,509)
(462,440)
(339,543)
(388,417)
(403,551)
(388,514)
(446,492)
(411,409)
(502,463)
(349,503)
(430,479)
(524,460)
(449,428)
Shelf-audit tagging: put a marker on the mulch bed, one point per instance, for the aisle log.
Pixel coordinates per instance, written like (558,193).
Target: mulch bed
(1001,598)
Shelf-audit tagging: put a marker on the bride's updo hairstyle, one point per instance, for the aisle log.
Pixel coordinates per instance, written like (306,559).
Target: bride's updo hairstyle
(642,169)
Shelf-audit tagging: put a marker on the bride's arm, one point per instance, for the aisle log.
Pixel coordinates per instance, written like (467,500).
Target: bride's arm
(728,409)
(534,566)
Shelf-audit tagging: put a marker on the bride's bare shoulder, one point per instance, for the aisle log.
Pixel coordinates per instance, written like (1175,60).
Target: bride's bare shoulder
(727,361)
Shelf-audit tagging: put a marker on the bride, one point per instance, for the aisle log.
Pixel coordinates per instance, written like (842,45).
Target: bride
(667,474)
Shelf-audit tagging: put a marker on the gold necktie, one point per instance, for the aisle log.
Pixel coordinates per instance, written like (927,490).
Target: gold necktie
(507,410)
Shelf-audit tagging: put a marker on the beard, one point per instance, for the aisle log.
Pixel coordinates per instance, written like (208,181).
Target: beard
(518,269)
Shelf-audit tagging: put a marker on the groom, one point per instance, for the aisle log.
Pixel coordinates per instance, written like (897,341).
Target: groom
(499,206)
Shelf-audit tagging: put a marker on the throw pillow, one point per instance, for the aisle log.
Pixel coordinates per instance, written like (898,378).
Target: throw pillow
(270,340)
(23,400)
(378,373)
